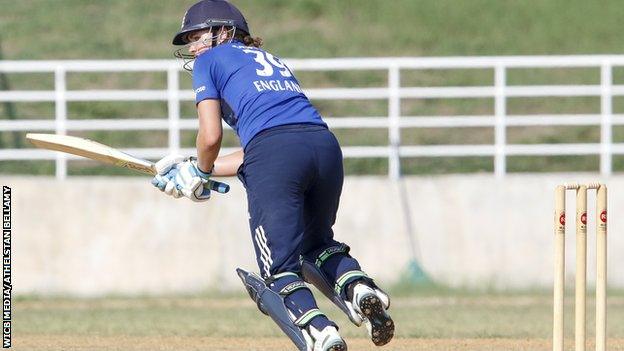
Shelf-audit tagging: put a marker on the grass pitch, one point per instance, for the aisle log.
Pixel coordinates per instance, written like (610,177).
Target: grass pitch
(425,321)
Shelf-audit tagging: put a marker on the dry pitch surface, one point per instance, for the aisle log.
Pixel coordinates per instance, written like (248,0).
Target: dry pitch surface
(259,344)
(474,322)
(276,343)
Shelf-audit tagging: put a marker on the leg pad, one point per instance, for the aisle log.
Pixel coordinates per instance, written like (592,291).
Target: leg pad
(272,304)
(315,276)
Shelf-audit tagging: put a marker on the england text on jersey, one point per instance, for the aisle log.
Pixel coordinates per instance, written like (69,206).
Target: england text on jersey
(277,85)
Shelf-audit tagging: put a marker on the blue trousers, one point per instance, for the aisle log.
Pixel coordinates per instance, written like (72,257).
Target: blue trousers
(293,175)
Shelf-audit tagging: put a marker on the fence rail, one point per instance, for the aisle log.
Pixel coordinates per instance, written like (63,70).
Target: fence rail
(394,92)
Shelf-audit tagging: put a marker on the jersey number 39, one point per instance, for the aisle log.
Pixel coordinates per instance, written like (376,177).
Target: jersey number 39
(268,61)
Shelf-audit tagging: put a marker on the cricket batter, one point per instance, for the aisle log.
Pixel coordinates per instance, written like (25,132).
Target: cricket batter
(291,167)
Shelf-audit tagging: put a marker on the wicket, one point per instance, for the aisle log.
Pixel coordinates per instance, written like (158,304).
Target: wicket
(581,265)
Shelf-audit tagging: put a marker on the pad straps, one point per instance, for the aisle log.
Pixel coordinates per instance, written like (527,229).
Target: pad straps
(330,251)
(292,287)
(303,320)
(275,277)
(346,278)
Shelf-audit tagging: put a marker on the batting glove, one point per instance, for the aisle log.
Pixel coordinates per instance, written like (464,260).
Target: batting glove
(182,179)
(168,162)
(163,166)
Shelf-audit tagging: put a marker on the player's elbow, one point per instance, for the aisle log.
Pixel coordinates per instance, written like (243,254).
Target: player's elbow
(209,141)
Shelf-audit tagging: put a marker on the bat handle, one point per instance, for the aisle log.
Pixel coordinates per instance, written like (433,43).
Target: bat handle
(217,186)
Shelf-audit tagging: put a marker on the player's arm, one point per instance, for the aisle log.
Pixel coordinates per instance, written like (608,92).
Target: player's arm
(210,133)
(226,166)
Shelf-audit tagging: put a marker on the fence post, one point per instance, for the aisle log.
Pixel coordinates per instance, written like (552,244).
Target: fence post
(394,115)
(173,108)
(500,128)
(606,107)
(60,107)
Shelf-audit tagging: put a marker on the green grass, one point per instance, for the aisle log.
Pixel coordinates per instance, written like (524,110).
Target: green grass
(138,29)
(317,28)
(428,313)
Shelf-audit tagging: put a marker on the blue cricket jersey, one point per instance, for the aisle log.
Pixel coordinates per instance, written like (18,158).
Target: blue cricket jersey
(257,91)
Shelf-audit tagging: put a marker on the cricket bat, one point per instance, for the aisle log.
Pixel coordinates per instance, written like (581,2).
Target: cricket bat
(103,153)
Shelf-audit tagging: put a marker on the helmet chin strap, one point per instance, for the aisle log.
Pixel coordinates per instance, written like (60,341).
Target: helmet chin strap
(215,38)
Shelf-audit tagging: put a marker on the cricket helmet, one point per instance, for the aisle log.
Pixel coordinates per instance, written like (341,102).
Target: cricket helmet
(210,13)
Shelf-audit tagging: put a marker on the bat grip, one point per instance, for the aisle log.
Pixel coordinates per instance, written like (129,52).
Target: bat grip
(217,186)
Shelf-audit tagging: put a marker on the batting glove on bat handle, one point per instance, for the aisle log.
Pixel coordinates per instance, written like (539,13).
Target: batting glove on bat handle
(210,184)
(214,185)
(219,187)
(161,181)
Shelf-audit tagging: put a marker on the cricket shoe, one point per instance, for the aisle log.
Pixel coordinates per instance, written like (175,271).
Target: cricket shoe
(371,304)
(327,339)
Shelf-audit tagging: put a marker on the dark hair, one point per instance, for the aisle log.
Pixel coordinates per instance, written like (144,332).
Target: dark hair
(248,40)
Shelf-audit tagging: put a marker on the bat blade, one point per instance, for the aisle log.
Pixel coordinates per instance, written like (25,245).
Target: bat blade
(103,153)
(92,150)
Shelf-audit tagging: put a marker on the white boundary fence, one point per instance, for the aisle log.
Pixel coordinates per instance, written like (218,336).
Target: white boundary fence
(393,92)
